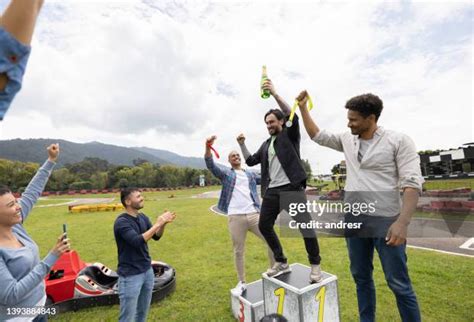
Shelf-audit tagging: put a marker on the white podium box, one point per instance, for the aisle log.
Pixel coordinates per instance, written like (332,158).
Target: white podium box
(249,306)
(292,296)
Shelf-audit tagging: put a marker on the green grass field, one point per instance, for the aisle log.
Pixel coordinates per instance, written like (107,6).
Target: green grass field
(197,244)
(428,185)
(448,184)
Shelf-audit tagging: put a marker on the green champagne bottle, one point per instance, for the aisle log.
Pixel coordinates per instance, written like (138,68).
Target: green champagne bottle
(264,93)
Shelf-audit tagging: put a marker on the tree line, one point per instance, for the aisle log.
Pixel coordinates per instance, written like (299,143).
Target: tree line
(95,173)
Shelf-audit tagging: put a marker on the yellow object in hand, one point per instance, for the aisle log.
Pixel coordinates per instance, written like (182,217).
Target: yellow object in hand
(289,123)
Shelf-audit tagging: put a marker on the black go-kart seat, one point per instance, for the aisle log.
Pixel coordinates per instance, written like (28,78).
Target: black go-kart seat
(99,277)
(164,274)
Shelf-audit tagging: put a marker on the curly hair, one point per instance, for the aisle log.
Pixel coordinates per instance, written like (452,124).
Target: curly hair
(366,105)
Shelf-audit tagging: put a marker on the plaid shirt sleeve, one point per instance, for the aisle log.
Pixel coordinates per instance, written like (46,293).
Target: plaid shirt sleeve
(13,59)
(215,170)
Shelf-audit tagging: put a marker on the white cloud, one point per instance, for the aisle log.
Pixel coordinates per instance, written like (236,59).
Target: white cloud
(168,74)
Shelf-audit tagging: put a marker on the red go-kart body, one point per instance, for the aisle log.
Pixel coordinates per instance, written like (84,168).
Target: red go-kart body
(73,284)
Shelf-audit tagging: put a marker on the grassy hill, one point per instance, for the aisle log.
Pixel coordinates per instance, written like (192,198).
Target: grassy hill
(33,150)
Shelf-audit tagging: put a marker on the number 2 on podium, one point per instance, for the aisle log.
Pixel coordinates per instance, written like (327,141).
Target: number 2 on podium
(280,292)
(320,296)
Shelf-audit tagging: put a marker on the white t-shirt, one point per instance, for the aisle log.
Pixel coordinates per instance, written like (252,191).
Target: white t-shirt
(241,201)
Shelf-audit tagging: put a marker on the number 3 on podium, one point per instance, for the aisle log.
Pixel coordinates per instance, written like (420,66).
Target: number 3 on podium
(242,314)
(320,296)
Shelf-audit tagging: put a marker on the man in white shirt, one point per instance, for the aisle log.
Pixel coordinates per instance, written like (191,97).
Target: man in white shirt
(379,163)
(240,201)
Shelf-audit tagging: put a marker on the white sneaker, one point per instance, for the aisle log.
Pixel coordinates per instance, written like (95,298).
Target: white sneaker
(315,276)
(239,288)
(278,269)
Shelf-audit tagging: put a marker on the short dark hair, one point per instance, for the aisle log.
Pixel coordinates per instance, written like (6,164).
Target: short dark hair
(366,105)
(278,114)
(4,190)
(124,193)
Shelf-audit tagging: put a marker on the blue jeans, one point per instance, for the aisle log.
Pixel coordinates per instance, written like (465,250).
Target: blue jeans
(394,265)
(135,296)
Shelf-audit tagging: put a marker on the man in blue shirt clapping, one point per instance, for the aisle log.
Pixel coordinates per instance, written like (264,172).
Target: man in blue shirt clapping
(132,231)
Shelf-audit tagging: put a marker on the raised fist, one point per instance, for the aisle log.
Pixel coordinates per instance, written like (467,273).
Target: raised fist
(210,140)
(302,99)
(241,138)
(53,152)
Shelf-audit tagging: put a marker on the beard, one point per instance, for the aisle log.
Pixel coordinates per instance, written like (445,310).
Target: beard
(273,131)
(359,130)
(355,131)
(137,205)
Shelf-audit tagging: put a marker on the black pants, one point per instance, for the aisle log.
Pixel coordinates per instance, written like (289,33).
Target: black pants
(269,213)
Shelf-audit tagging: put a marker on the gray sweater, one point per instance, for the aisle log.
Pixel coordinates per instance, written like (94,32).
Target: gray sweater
(21,271)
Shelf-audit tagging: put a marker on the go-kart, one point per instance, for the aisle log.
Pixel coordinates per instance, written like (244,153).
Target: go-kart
(73,284)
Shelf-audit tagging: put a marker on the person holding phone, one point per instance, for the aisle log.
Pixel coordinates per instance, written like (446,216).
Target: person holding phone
(22,272)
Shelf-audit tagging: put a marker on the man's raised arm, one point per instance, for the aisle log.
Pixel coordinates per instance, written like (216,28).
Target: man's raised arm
(211,166)
(311,128)
(16,30)
(323,138)
(250,159)
(19,19)
(285,108)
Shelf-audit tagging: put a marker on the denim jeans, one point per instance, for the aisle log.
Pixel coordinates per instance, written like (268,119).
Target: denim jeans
(135,296)
(394,265)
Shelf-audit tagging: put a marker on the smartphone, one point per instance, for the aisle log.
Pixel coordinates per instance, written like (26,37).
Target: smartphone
(65,230)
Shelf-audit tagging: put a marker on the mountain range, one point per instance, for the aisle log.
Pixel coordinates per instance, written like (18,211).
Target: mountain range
(33,150)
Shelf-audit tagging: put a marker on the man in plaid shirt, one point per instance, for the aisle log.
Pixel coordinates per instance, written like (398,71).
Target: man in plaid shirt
(239,200)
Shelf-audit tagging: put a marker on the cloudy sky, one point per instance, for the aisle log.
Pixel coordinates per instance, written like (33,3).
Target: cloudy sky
(166,74)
